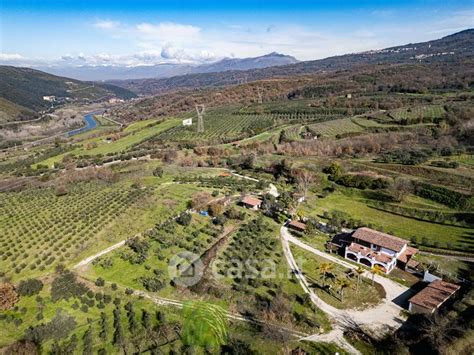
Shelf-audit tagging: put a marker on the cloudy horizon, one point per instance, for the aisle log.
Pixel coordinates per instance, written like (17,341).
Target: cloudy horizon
(104,36)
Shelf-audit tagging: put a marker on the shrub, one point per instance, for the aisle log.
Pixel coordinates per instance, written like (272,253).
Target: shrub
(184,219)
(59,327)
(65,286)
(29,287)
(442,195)
(100,282)
(152,284)
(158,172)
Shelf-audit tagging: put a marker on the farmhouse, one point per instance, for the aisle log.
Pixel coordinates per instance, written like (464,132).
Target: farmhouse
(370,247)
(297,226)
(251,202)
(432,297)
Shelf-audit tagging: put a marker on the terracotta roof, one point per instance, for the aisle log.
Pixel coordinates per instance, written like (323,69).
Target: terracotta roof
(297,225)
(413,264)
(407,254)
(434,295)
(252,201)
(384,258)
(378,238)
(368,253)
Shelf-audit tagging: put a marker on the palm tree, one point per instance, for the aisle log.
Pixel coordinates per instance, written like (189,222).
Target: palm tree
(359,271)
(325,269)
(376,270)
(342,283)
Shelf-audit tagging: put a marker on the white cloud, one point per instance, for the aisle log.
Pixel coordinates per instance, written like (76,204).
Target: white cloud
(149,43)
(168,31)
(11,56)
(106,24)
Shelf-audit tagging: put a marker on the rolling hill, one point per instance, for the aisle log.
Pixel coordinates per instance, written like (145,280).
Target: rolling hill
(452,48)
(22,91)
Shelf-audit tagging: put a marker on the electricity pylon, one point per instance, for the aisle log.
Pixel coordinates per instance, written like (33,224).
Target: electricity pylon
(200,112)
(259,93)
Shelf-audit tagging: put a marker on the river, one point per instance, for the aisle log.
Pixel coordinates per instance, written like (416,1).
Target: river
(91,123)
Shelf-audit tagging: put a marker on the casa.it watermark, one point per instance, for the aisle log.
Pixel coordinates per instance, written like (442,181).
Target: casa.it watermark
(186,269)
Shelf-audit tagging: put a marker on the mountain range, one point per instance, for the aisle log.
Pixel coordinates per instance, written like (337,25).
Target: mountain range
(166,70)
(452,48)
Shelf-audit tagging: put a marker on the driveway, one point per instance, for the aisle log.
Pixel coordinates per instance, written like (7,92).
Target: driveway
(386,314)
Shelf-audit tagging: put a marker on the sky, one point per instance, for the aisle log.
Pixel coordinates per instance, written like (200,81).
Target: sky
(146,32)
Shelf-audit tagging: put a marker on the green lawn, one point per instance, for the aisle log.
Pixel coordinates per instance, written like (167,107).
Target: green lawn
(353,203)
(135,126)
(362,296)
(135,136)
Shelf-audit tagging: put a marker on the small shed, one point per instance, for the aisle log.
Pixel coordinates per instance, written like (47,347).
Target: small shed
(252,202)
(297,225)
(432,297)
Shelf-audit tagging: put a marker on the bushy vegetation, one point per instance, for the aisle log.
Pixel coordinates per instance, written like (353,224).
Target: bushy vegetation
(65,286)
(443,195)
(30,287)
(405,156)
(362,181)
(445,164)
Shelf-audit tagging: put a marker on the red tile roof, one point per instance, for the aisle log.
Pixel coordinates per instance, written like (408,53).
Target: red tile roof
(407,254)
(378,238)
(434,295)
(251,201)
(298,225)
(368,253)
(413,264)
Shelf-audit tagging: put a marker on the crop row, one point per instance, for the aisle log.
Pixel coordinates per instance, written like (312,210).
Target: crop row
(39,229)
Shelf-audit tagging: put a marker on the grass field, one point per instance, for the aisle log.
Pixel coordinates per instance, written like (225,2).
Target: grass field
(431,112)
(135,126)
(356,205)
(335,128)
(103,147)
(359,297)
(135,137)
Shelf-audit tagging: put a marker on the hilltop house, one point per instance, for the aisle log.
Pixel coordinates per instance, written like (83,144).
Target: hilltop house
(251,202)
(432,297)
(370,247)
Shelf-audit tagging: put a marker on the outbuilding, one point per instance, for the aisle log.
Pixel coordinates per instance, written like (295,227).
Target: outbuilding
(297,226)
(252,202)
(432,297)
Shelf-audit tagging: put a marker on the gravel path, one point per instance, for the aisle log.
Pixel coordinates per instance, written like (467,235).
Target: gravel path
(387,313)
(384,315)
